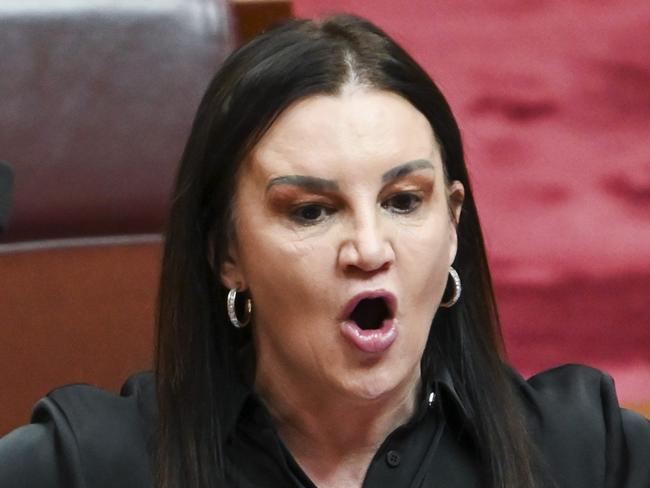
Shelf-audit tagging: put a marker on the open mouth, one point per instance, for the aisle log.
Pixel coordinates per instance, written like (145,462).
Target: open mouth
(367,321)
(370,313)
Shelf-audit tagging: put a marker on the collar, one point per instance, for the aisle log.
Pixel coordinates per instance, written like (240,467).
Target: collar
(442,385)
(439,392)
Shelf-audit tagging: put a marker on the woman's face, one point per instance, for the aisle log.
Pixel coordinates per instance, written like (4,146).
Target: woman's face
(344,239)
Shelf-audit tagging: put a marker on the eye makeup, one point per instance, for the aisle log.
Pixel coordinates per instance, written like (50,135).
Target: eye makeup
(414,181)
(288,199)
(290,194)
(421,185)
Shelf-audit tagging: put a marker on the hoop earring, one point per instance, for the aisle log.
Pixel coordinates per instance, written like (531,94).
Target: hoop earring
(232,313)
(457,289)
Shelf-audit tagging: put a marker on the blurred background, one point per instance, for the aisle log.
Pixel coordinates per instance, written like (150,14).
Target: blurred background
(97,97)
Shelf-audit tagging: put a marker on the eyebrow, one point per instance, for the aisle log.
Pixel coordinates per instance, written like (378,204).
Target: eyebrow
(314,183)
(309,182)
(404,169)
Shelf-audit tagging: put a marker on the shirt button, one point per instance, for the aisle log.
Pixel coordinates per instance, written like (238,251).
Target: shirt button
(432,398)
(393,458)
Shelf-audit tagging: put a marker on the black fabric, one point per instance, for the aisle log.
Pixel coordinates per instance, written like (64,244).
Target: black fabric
(81,436)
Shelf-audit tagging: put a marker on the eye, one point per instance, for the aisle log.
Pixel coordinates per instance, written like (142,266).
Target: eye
(311,213)
(402,203)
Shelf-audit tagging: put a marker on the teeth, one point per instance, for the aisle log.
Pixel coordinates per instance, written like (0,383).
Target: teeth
(370,313)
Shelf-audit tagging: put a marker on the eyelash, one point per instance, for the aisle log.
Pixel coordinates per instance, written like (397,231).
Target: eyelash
(325,211)
(414,203)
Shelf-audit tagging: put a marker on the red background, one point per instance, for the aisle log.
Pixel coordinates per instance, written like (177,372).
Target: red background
(553,98)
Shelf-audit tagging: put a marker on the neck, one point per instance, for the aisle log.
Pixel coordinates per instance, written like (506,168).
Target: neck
(333,436)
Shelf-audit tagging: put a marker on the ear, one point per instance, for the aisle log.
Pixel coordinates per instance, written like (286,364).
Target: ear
(455,197)
(230,270)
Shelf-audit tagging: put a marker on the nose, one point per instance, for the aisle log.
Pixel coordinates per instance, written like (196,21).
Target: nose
(367,247)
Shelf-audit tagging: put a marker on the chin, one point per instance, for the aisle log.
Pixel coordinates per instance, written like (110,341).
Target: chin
(378,382)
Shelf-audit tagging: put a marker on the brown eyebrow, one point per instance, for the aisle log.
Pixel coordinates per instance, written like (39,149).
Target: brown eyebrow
(316,184)
(404,169)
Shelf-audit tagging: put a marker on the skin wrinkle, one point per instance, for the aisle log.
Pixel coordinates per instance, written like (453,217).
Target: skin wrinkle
(300,277)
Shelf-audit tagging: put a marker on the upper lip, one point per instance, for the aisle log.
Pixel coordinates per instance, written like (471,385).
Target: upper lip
(389,298)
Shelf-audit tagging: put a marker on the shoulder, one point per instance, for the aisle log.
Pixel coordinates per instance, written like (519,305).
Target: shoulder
(573,388)
(81,436)
(569,403)
(575,394)
(574,416)
(89,410)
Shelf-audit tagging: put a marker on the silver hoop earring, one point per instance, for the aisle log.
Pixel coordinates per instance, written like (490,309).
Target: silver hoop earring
(457,289)
(232,313)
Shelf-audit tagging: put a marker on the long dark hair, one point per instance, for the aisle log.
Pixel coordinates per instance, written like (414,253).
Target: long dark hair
(195,357)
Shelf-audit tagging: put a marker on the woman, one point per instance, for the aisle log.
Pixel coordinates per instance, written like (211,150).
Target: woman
(326,311)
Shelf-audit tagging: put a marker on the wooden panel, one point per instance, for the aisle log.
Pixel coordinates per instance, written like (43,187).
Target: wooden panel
(254,16)
(73,314)
(642,408)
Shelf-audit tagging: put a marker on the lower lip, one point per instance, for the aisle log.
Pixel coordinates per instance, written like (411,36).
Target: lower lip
(372,341)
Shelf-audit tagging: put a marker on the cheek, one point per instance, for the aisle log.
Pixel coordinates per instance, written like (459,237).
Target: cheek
(270,249)
(277,255)
(423,263)
(283,270)
(426,249)
(290,283)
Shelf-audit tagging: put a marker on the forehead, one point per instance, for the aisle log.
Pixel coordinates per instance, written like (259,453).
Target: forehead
(358,130)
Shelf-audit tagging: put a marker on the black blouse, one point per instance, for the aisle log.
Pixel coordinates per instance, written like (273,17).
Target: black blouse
(81,436)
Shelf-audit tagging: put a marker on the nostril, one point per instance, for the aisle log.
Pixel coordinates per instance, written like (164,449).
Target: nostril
(370,270)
